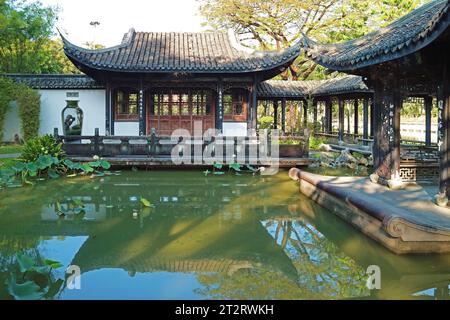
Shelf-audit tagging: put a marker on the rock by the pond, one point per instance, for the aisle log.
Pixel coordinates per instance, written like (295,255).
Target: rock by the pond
(324,147)
(370,160)
(325,164)
(363,161)
(346,157)
(352,165)
(441,200)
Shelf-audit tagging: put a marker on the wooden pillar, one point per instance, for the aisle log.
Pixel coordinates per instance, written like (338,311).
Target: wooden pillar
(254,107)
(356,117)
(315,111)
(329,115)
(365,120)
(372,118)
(283,115)
(219,108)
(305,113)
(428,101)
(341,117)
(386,150)
(443,99)
(109,122)
(142,112)
(275,114)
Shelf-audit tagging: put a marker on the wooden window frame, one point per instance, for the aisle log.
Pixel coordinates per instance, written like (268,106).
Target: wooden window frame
(125,117)
(234,116)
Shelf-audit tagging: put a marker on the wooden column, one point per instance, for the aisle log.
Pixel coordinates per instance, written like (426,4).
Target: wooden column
(365,120)
(305,113)
(356,117)
(428,101)
(283,115)
(443,99)
(315,111)
(275,114)
(372,118)
(341,117)
(142,112)
(109,123)
(386,150)
(328,116)
(219,108)
(254,107)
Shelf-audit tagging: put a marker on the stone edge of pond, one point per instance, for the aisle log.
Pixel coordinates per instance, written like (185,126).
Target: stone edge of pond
(397,233)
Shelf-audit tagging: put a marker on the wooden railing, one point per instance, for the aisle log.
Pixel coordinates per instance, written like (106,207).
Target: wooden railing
(155,145)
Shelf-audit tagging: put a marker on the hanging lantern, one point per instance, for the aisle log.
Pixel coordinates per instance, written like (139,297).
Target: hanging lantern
(72,116)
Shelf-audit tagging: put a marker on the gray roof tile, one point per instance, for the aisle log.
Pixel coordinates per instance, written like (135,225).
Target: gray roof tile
(208,52)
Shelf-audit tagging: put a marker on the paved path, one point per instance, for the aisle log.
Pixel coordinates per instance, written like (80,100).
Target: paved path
(9,156)
(413,203)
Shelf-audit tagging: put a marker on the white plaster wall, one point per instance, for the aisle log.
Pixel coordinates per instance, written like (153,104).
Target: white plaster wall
(238,129)
(92,102)
(126,128)
(11,125)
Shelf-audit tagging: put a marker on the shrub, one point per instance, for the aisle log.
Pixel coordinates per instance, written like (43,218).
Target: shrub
(29,102)
(6,96)
(315,142)
(42,146)
(265,122)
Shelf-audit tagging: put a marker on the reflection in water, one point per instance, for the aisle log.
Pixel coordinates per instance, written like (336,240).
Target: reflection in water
(231,237)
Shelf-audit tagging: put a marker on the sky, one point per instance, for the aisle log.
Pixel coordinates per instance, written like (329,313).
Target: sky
(116,17)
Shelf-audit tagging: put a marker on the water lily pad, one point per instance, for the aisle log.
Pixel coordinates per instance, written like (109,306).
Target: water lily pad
(145,202)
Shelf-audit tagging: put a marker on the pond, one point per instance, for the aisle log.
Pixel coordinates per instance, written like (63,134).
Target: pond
(227,237)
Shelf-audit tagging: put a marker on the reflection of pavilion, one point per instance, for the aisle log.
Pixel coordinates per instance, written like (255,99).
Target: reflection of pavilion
(190,230)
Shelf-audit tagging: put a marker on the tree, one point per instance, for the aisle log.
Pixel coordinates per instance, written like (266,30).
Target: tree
(25,43)
(276,24)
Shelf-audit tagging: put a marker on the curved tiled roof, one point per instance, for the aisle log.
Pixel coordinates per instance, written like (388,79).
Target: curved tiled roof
(402,37)
(158,52)
(305,89)
(56,81)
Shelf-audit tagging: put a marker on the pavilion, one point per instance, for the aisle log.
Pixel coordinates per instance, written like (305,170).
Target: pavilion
(408,58)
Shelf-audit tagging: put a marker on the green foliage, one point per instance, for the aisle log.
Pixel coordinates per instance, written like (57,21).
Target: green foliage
(145,202)
(265,122)
(277,24)
(6,96)
(26,28)
(315,142)
(41,146)
(29,102)
(32,279)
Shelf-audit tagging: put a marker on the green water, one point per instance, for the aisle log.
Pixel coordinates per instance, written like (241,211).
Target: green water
(229,237)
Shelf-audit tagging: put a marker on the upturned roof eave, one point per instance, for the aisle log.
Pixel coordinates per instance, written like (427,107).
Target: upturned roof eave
(313,49)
